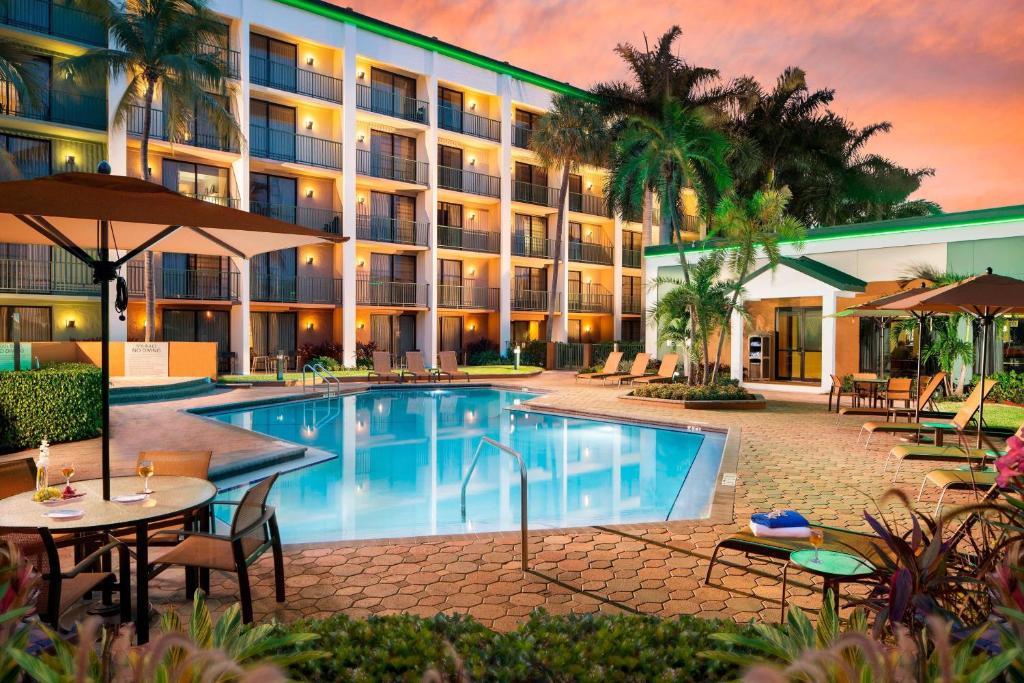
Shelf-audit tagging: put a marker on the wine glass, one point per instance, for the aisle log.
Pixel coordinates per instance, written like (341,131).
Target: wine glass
(146,471)
(67,470)
(816,538)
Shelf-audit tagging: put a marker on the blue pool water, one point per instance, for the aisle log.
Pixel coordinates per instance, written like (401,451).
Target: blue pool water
(402,455)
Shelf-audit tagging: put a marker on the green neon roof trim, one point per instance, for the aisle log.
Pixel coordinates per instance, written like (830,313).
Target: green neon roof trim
(959,219)
(832,277)
(348,16)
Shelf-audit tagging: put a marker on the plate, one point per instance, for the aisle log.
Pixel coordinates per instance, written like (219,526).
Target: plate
(65,514)
(130,498)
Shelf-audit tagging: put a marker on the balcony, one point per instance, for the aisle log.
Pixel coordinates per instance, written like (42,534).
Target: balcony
(39,276)
(57,106)
(529,193)
(213,199)
(54,19)
(590,252)
(594,204)
(382,101)
(300,290)
(306,216)
(593,299)
(390,167)
(194,136)
(632,304)
(524,244)
(529,300)
(468,181)
(190,284)
(467,296)
(393,230)
(293,79)
(283,145)
(486,241)
(630,258)
(372,291)
(468,123)
(521,136)
(229,60)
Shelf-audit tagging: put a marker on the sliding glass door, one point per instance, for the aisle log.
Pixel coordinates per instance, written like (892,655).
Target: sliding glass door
(798,344)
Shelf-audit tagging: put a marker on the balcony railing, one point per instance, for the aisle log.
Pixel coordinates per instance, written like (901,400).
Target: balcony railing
(594,204)
(593,299)
(529,300)
(220,200)
(535,194)
(302,290)
(230,60)
(521,136)
(393,230)
(383,101)
(55,18)
(38,276)
(632,304)
(185,283)
(193,136)
(468,240)
(293,79)
(468,181)
(524,244)
(590,252)
(467,296)
(468,123)
(391,167)
(283,145)
(371,291)
(630,258)
(57,106)
(306,216)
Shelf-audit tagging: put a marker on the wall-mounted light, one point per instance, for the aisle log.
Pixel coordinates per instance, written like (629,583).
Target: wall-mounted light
(70,160)
(472,161)
(587,329)
(590,233)
(472,215)
(149,170)
(309,124)
(361,325)
(472,271)
(362,199)
(472,106)
(590,186)
(360,263)
(362,138)
(309,194)
(310,61)
(309,260)
(209,314)
(361,75)
(310,326)
(472,327)
(70,324)
(588,280)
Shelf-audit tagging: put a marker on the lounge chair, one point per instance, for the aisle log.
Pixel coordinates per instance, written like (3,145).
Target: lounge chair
(611,368)
(926,396)
(636,371)
(958,425)
(450,366)
(382,369)
(946,453)
(665,371)
(415,367)
(957,480)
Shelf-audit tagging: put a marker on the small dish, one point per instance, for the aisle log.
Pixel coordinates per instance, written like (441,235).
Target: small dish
(65,515)
(130,498)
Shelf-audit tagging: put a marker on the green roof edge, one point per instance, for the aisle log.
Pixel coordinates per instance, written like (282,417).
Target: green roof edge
(349,16)
(819,271)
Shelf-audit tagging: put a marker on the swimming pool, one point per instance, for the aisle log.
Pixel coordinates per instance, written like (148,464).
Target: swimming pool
(402,455)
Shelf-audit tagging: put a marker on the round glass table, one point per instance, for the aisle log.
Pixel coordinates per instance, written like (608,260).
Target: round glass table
(170,497)
(833,567)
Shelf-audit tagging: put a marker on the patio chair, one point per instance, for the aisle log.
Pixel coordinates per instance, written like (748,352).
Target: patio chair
(924,399)
(382,369)
(174,464)
(60,589)
(416,368)
(897,389)
(836,390)
(636,371)
(17,476)
(253,531)
(450,366)
(665,371)
(610,369)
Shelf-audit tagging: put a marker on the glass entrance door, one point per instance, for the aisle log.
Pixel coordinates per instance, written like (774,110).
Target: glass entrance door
(798,344)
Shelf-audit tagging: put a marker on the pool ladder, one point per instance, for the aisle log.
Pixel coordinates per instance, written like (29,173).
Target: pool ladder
(522,489)
(325,375)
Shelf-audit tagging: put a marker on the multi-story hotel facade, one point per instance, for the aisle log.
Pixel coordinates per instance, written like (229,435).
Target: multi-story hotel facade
(416,149)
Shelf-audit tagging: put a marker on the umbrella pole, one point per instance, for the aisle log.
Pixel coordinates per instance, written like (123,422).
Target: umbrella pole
(984,362)
(104,256)
(920,350)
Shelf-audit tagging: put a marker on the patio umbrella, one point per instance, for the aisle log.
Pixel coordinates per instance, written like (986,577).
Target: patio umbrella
(79,211)
(985,297)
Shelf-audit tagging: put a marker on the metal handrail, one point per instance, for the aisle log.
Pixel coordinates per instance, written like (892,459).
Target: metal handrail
(325,375)
(522,489)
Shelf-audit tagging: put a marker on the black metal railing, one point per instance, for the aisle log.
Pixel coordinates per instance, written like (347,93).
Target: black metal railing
(593,299)
(55,105)
(467,296)
(194,136)
(391,167)
(632,304)
(630,258)
(306,216)
(55,18)
(230,60)
(460,121)
(468,181)
(535,194)
(525,244)
(521,136)
(590,252)
(393,230)
(372,291)
(594,204)
(291,78)
(302,289)
(529,300)
(283,145)
(468,240)
(39,276)
(389,103)
(184,283)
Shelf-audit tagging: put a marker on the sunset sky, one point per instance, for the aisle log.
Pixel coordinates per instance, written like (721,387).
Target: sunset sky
(949,74)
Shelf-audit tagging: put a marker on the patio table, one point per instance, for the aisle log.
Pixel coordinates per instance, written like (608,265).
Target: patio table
(833,567)
(171,496)
(873,385)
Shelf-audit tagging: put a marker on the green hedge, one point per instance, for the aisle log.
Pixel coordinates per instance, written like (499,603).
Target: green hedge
(1010,387)
(544,648)
(725,391)
(59,402)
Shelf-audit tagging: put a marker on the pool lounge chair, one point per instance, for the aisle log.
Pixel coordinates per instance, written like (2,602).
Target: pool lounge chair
(665,370)
(926,397)
(415,367)
(636,371)
(450,366)
(958,425)
(382,369)
(958,480)
(611,368)
(948,453)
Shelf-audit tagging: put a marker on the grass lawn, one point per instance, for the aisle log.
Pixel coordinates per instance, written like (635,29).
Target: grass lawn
(1009,417)
(471,369)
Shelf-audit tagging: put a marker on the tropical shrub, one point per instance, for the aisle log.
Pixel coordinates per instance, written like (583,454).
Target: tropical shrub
(327,361)
(533,352)
(720,391)
(327,349)
(364,354)
(1010,387)
(483,352)
(59,402)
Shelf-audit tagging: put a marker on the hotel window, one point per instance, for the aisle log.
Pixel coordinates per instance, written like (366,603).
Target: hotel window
(27,267)
(31,156)
(450,279)
(531,279)
(392,217)
(632,240)
(575,192)
(575,331)
(449,215)
(450,333)
(273,275)
(393,94)
(526,119)
(272,62)
(533,175)
(394,333)
(393,268)
(208,183)
(392,145)
(1010,333)
(272,130)
(190,325)
(632,329)
(530,237)
(274,196)
(273,332)
(449,172)
(449,108)
(36,323)
(38,70)
(193,276)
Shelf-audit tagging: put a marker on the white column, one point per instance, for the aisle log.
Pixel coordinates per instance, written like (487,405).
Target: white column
(427,333)
(617,278)
(650,298)
(240,106)
(348,199)
(505,218)
(240,341)
(736,330)
(828,338)
(561,322)
(117,135)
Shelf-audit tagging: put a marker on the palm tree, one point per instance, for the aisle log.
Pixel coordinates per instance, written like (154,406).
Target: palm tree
(751,229)
(160,45)
(12,71)
(572,133)
(948,348)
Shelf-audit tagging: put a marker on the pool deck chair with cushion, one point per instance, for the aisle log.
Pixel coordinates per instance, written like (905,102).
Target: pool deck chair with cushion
(417,369)
(636,371)
(957,480)
(665,371)
(948,453)
(610,369)
(450,366)
(958,425)
(926,397)
(382,369)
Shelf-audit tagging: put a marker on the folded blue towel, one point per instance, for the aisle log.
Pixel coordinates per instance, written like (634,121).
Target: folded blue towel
(779,519)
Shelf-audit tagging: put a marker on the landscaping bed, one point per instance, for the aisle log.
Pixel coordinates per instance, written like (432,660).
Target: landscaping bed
(723,396)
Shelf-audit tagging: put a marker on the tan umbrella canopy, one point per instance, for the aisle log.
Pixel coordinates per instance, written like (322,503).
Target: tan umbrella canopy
(79,211)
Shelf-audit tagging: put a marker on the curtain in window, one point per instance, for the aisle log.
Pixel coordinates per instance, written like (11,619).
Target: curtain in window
(179,325)
(258,325)
(31,156)
(380,332)
(405,335)
(282,333)
(36,323)
(451,333)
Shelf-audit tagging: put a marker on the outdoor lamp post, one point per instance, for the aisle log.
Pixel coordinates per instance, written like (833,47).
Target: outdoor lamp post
(515,364)
(280,365)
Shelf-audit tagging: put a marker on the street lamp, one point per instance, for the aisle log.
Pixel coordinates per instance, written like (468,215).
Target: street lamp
(280,365)
(516,352)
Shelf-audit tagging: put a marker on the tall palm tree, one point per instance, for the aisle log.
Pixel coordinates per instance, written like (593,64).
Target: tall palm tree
(160,45)
(751,229)
(13,58)
(571,134)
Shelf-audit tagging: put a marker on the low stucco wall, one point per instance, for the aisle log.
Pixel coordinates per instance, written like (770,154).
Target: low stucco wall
(184,359)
